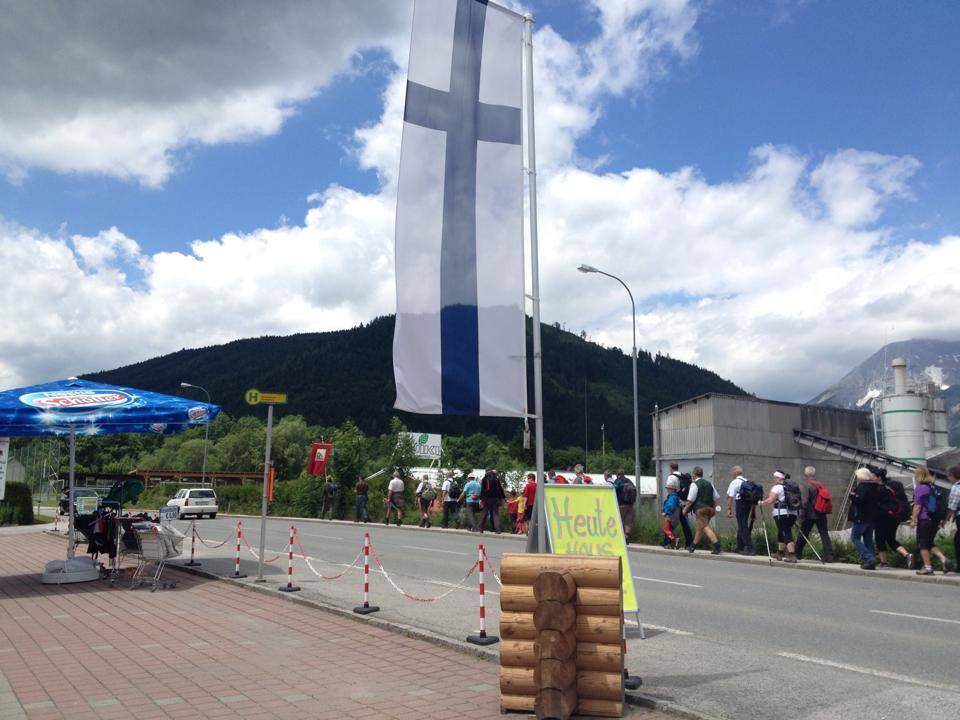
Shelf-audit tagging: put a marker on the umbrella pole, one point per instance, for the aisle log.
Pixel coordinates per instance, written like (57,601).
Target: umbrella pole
(73,461)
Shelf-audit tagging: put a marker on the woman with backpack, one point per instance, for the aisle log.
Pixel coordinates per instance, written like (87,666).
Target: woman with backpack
(926,520)
(894,509)
(864,512)
(785,498)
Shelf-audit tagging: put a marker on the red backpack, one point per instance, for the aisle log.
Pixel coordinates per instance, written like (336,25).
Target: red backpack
(822,500)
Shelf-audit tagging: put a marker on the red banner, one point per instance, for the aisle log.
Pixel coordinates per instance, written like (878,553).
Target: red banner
(319,454)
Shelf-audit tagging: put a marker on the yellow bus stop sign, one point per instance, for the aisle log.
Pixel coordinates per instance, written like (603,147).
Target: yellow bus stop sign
(585,520)
(256,397)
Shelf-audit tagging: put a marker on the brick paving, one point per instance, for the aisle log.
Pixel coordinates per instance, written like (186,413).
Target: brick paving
(211,650)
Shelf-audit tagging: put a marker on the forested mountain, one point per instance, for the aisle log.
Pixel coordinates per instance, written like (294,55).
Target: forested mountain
(344,374)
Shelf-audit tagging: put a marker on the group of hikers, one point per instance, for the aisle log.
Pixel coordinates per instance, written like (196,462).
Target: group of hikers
(878,505)
(479,500)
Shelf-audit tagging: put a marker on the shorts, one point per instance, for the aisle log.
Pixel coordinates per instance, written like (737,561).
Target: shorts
(527,514)
(926,533)
(703,516)
(425,504)
(397,503)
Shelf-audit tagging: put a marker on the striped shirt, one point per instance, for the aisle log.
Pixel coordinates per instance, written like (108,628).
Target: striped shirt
(953,502)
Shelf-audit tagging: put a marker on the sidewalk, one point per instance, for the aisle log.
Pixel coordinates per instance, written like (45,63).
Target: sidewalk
(210,650)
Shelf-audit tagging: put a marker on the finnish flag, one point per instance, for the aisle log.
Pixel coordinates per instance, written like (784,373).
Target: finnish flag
(459,346)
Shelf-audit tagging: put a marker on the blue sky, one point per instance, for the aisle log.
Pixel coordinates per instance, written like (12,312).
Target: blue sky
(819,140)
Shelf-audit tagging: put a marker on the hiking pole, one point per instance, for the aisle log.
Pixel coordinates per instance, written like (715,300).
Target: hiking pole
(810,545)
(766,539)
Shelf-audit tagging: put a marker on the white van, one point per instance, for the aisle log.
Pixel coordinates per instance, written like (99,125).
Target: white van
(195,501)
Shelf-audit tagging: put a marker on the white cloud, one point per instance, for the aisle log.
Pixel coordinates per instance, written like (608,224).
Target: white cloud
(119,87)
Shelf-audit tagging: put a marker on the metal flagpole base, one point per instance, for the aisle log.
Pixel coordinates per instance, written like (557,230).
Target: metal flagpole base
(631,682)
(288,588)
(483,639)
(366,609)
(236,575)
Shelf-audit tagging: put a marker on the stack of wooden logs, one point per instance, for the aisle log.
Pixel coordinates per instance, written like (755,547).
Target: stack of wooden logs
(561,624)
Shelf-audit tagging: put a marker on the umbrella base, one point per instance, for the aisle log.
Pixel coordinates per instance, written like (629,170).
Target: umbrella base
(62,572)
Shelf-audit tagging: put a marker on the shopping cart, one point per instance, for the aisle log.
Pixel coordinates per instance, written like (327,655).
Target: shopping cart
(155,545)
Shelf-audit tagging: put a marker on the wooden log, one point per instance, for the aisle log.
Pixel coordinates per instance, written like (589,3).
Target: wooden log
(523,703)
(518,598)
(520,653)
(597,656)
(598,629)
(598,601)
(555,674)
(517,681)
(600,686)
(556,585)
(554,645)
(596,571)
(599,708)
(552,615)
(517,626)
(555,704)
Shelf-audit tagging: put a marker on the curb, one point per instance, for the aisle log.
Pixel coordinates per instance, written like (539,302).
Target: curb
(666,706)
(807,565)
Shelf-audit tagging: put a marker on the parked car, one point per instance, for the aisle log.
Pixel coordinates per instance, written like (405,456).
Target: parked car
(77,494)
(195,501)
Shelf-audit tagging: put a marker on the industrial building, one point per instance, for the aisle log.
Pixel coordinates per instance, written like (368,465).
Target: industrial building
(905,425)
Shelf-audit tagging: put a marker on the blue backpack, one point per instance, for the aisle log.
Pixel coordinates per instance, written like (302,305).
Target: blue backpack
(751,492)
(937,503)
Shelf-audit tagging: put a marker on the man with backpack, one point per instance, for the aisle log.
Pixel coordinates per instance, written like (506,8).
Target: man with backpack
(953,507)
(683,481)
(786,499)
(894,509)
(626,499)
(742,498)
(426,494)
(451,491)
(817,505)
(329,499)
(864,511)
(491,494)
(929,512)
(700,499)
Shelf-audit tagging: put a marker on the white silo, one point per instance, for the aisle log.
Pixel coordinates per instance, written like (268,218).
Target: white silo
(902,412)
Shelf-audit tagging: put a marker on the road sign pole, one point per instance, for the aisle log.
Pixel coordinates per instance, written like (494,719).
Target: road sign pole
(263,504)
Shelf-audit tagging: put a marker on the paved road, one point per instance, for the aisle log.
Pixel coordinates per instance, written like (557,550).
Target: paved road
(729,640)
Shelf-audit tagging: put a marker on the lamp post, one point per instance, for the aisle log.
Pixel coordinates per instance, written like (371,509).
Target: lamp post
(206,432)
(636,408)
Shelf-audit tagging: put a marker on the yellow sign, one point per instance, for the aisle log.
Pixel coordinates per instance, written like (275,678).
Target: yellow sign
(585,520)
(255,397)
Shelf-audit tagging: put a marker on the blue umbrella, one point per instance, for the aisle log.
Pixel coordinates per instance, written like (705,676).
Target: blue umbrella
(74,407)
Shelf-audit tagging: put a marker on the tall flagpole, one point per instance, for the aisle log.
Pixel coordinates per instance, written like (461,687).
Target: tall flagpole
(540,510)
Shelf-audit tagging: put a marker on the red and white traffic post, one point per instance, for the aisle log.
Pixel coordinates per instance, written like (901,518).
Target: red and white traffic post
(236,567)
(482,638)
(366,608)
(290,587)
(193,544)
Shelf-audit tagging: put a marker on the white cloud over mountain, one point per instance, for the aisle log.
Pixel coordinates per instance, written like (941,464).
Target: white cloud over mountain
(780,279)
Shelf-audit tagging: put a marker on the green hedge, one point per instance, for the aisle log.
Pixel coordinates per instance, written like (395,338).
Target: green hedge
(17,507)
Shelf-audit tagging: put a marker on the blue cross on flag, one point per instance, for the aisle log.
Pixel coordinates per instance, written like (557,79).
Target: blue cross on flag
(460,341)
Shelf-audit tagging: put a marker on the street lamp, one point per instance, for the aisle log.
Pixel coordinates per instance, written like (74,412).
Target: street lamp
(206,431)
(636,405)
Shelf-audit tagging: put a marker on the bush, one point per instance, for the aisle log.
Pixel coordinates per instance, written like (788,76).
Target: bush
(242,499)
(17,507)
(157,496)
(302,497)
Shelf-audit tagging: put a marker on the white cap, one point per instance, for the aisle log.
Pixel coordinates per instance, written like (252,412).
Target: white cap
(672,482)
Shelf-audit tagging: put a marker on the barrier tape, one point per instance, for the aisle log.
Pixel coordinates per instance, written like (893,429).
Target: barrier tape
(493,570)
(254,552)
(303,554)
(410,596)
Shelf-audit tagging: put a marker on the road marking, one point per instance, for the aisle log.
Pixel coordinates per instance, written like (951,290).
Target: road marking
(441,583)
(875,673)
(671,631)
(325,537)
(667,582)
(448,552)
(916,617)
